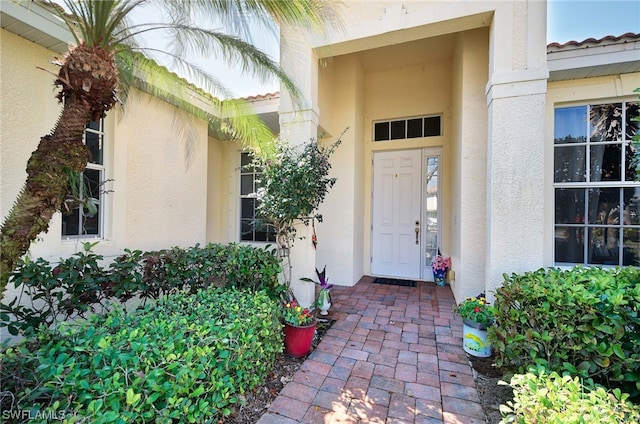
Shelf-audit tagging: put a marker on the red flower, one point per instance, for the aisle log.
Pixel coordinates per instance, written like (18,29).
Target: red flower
(476,309)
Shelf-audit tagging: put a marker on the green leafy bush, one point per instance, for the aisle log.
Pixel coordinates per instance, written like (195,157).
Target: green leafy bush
(188,357)
(80,283)
(67,290)
(241,266)
(552,399)
(219,265)
(583,321)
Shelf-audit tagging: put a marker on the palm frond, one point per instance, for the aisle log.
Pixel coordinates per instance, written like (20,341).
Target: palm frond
(108,23)
(95,21)
(235,51)
(229,119)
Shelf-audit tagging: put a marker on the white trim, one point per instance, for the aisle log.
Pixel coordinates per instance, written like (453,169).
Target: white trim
(586,185)
(41,20)
(572,57)
(425,270)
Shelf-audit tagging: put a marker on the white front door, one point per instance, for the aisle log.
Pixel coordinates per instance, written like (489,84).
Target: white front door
(396,215)
(406,212)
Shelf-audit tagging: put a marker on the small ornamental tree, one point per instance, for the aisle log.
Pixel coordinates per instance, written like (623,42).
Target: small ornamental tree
(293,184)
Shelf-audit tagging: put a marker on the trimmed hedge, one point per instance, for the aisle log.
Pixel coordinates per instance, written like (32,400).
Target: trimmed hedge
(80,283)
(582,321)
(552,399)
(189,357)
(218,265)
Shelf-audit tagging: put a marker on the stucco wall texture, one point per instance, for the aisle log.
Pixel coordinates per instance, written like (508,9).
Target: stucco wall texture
(28,108)
(482,67)
(156,157)
(166,175)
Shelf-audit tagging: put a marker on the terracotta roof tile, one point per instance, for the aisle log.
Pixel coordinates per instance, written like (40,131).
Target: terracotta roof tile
(630,36)
(262,96)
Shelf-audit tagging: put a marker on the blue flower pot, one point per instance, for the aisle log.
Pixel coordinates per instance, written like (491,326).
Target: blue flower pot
(439,277)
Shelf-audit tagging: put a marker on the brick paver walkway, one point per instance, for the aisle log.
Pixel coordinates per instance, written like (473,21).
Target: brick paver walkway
(394,355)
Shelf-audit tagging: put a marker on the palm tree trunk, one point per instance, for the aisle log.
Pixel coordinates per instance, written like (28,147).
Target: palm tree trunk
(57,154)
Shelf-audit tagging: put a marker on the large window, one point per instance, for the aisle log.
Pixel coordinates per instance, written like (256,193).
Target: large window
(78,220)
(252,228)
(597,194)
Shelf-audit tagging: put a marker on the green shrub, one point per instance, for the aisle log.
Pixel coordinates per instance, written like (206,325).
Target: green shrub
(552,399)
(186,358)
(219,265)
(583,321)
(234,265)
(79,283)
(69,289)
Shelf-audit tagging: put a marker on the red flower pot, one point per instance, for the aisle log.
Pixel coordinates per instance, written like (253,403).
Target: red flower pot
(297,340)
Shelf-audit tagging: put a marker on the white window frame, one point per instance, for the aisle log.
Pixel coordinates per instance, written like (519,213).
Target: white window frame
(582,223)
(100,167)
(248,196)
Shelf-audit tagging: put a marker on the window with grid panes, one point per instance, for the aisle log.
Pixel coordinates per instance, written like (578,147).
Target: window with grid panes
(78,222)
(597,194)
(402,129)
(252,228)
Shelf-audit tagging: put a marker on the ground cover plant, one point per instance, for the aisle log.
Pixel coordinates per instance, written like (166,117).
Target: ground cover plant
(188,357)
(542,397)
(170,270)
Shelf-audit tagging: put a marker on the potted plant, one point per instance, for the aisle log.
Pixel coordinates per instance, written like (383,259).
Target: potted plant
(477,315)
(299,329)
(440,266)
(323,299)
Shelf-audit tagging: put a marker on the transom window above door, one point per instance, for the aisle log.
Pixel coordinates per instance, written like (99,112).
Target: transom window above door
(402,129)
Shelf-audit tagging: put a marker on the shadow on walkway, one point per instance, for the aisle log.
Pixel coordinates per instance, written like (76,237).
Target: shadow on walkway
(394,355)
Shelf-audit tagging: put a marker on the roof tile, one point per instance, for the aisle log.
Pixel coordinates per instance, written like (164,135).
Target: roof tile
(629,36)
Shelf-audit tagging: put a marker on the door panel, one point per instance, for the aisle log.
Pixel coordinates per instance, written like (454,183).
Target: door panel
(395,245)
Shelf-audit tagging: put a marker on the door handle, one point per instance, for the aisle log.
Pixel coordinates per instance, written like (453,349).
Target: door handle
(417,233)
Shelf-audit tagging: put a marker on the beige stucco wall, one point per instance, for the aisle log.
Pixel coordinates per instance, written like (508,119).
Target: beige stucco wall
(485,75)
(216,175)
(223,198)
(342,209)
(469,157)
(515,158)
(166,175)
(156,157)
(28,109)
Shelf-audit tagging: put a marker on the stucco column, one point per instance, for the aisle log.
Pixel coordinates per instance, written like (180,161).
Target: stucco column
(298,125)
(469,165)
(516,94)
(340,242)
(515,182)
